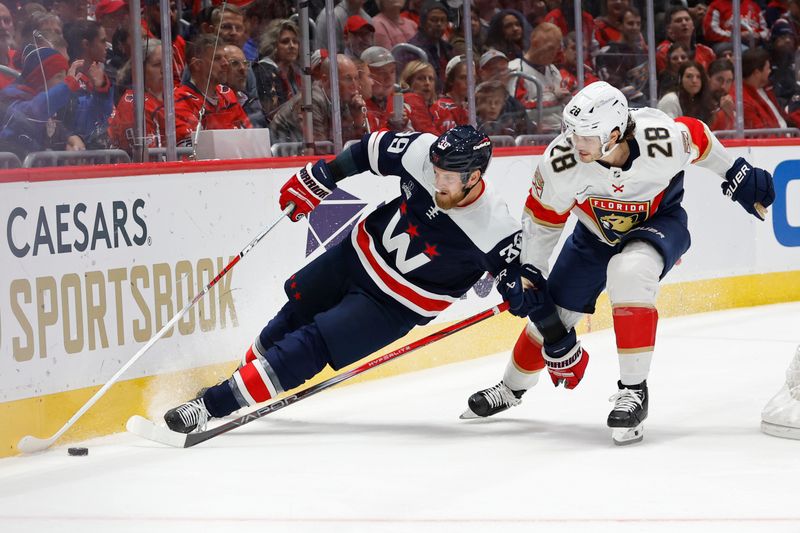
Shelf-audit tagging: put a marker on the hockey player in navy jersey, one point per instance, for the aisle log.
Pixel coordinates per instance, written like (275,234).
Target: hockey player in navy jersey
(403,264)
(620,173)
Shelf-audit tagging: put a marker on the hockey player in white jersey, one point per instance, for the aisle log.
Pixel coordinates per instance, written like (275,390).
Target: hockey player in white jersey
(620,172)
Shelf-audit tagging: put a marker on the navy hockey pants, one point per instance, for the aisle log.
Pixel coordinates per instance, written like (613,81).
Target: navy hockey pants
(579,274)
(333,317)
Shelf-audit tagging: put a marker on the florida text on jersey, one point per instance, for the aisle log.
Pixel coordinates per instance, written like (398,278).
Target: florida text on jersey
(611,201)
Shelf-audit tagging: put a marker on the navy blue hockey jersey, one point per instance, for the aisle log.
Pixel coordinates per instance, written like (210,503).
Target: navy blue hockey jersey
(422,256)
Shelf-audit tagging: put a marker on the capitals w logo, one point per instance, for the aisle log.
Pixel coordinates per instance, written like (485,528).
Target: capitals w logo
(400,243)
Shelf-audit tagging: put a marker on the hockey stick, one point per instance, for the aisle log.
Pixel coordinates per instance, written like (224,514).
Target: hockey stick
(30,444)
(143,427)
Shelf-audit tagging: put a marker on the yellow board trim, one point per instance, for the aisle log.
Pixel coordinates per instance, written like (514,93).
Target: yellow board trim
(44,415)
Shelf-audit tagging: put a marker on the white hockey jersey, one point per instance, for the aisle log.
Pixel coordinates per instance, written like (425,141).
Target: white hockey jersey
(610,201)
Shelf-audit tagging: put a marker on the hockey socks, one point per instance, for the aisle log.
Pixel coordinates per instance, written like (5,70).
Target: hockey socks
(522,371)
(635,330)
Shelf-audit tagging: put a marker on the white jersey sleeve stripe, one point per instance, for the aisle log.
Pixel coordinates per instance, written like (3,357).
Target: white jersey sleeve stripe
(373,151)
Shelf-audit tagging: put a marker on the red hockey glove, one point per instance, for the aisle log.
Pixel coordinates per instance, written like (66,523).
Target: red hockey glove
(566,361)
(306,189)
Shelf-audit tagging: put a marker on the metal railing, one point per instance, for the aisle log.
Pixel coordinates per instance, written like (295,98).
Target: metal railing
(160,154)
(9,160)
(758,132)
(298,148)
(405,47)
(539,91)
(80,157)
(535,140)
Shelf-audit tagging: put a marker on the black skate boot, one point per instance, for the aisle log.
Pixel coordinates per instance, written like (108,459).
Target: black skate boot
(188,417)
(630,411)
(493,400)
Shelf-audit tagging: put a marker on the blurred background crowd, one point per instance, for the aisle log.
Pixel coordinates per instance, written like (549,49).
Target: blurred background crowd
(66,73)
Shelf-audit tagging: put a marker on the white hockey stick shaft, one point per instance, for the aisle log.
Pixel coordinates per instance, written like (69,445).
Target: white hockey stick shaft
(30,444)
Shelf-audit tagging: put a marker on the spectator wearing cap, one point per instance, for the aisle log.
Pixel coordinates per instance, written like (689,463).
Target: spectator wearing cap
(507,33)
(151,22)
(681,30)
(782,49)
(390,28)
(538,62)
(493,66)
(204,99)
(246,93)
(286,124)
(383,70)
(623,63)
(358,36)
(418,83)
(122,124)
(44,87)
(277,73)
(432,24)
(450,110)
(718,22)
(87,114)
(569,66)
(341,12)
(6,36)
(112,14)
(761,108)
(317,57)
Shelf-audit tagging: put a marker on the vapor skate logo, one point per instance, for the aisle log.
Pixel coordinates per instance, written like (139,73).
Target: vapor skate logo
(332,221)
(615,218)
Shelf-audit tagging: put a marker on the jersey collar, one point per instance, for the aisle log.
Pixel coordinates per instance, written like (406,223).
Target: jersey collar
(633,146)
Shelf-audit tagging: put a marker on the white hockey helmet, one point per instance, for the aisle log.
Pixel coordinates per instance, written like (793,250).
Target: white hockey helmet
(596,111)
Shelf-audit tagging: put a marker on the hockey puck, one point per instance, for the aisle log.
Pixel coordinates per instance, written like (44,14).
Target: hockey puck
(78,451)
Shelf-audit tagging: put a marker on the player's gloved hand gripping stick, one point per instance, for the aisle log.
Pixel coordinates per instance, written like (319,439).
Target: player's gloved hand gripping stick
(30,444)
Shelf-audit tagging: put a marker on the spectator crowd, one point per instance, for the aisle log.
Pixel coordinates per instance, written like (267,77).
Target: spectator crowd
(66,74)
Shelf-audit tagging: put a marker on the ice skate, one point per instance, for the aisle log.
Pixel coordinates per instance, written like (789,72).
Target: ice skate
(781,416)
(628,414)
(493,400)
(188,417)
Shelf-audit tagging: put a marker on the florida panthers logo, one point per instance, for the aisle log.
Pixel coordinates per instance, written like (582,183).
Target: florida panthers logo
(615,218)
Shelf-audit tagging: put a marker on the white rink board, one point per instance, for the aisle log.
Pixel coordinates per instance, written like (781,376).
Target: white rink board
(189,226)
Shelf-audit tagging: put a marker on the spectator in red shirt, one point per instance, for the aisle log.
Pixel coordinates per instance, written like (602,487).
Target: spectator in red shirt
(718,23)
(569,66)
(608,27)
(383,70)
(122,125)
(450,110)
(720,81)
(151,22)
(761,109)
(112,14)
(6,36)
(681,30)
(418,81)
(204,99)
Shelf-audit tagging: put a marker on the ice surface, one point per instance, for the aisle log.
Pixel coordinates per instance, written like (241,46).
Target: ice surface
(391,455)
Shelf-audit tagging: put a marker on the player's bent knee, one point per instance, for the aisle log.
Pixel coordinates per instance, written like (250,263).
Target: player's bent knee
(633,274)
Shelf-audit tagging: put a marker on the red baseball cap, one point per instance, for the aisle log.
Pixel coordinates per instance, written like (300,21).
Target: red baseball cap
(106,7)
(357,23)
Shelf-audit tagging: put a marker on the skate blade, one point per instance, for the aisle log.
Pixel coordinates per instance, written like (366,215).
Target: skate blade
(468,415)
(626,436)
(777,430)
